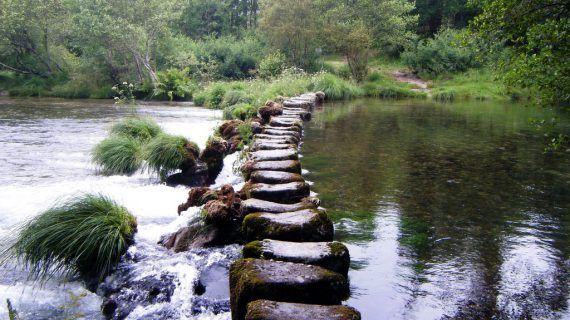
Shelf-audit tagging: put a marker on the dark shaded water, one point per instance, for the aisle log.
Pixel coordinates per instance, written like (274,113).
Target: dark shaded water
(449,211)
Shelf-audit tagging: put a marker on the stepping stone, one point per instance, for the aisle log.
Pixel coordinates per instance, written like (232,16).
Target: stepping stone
(298,104)
(276,122)
(254,279)
(293,166)
(273,310)
(282,133)
(291,192)
(260,145)
(270,155)
(305,115)
(329,255)
(288,129)
(283,139)
(303,226)
(268,176)
(256,205)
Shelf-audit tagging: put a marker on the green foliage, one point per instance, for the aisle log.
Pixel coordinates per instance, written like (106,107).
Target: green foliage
(232,97)
(442,54)
(241,111)
(272,65)
(174,84)
(86,235)
(550,129)
(118,155)
(166,153)
(124,93)
(434,15)
(141,129)
(336,88)
(246,134)
(200,98)
(537,36)
(478,84)
(216,95)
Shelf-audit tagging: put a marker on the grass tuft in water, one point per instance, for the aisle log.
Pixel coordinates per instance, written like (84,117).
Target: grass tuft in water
(167,153)
(118,155)
(86,235)
(142,129)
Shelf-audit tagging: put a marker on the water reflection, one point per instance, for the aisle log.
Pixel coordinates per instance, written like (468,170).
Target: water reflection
(450,211)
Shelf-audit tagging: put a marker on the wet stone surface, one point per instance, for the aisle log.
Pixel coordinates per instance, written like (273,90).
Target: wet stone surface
(330,255)
(273,310)
(257,205)
(272,155)
(253,279)
(268,176)
(263,145)
(302,225)
(291,192)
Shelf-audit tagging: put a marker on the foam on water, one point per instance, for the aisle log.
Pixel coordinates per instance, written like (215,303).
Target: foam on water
(44,158)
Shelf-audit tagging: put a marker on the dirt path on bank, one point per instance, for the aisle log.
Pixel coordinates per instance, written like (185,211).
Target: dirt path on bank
(411,78)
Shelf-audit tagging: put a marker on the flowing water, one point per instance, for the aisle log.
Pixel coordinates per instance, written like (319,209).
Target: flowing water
(44,158)
(449,211)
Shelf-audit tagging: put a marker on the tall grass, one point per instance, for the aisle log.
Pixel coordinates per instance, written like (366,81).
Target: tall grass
(167,153)
(86,235)
(336,88)
(118,155)
(142,129)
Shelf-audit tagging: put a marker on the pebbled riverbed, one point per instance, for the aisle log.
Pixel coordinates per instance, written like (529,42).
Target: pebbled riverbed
(44,157)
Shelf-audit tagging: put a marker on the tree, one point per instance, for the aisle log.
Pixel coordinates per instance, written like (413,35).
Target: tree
(31,36)
(537,35)
(435,14)
(291,27)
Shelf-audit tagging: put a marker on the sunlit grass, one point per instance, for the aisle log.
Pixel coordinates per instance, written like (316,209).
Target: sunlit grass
(142,129)
(118,155)
(167,153)
(86,235)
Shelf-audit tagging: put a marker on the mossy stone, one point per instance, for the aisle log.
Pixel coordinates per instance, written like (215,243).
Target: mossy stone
(274,310)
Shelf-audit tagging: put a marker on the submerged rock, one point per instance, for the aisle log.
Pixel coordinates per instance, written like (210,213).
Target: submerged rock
(273,310)
(198,175)
(254,279)
(291,192)
(330,255)
(303,225)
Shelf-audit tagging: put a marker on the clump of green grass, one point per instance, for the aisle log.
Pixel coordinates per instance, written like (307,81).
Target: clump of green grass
(118,155)
(241,111)
(336,88)
(166,153)
(86,235)
(142,129)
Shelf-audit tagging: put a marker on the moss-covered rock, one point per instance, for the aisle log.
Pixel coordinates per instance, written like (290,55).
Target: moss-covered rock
(291,192)
(273,310)
(213,155)
(330,255)
(272,155)
(198,196)
(229,128)
(254,279)
(269,110)
(248,167)
(303,225)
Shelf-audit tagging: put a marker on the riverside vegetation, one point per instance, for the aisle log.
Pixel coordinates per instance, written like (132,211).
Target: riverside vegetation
(236,55)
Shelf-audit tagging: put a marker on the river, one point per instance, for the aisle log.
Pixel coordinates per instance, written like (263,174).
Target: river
(450,211)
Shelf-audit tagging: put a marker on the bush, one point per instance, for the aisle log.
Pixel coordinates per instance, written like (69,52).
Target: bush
(86,235)
(167,153)
(200,98)
(272,65)
(174,84)
(141,129)
(442,54)
(216,95)
(233,97)
(242,111)
(118,155)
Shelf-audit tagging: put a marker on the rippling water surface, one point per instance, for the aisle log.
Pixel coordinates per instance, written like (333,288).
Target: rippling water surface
(449,211)
(44,158)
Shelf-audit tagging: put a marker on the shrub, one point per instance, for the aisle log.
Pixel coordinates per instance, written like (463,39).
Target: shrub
(86,235)
(242,111)
(118,155)
(442,54)
(200,98)
(174,84)
(272,65)
(142,129)
(235,97)
(216,95)
(166,153)
(246,133)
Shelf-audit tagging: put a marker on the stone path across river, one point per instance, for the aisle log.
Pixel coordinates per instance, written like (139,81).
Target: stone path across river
(292,269)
